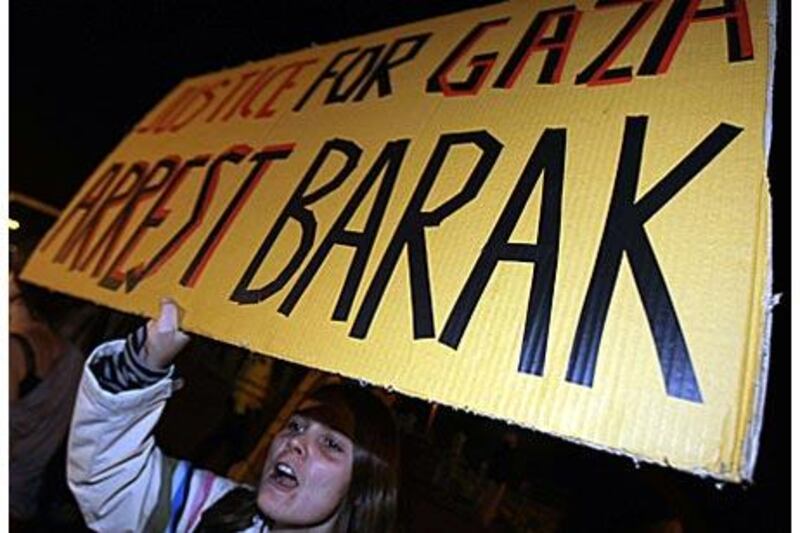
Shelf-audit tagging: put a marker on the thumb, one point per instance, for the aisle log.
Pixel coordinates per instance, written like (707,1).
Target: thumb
(164,338)
(169,317)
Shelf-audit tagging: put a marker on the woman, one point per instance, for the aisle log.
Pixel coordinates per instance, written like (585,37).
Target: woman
(332,468)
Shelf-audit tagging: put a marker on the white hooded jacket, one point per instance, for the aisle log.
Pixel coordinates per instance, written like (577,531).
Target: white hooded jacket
(121,479)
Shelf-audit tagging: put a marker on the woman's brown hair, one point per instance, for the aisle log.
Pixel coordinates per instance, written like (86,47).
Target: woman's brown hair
(371,500)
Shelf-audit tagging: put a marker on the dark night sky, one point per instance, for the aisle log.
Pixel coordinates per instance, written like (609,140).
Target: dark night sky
(82,74)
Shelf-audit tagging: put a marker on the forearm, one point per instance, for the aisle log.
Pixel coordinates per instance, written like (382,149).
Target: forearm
(114,467)
(124,369)
(120,478)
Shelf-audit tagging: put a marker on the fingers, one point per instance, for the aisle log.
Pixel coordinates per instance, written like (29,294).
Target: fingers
(169,317)
(169,321)
(164,338)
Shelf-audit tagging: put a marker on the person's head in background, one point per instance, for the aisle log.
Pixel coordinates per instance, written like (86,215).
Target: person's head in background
(29,302)
(31,309)
(332,468)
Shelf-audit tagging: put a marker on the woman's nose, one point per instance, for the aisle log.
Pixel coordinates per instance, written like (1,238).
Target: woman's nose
(298,444)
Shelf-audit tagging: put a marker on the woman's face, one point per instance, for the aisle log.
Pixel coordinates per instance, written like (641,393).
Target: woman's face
(306,475)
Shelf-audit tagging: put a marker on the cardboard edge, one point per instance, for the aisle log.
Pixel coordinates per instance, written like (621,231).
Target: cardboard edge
(730,476)
(752,436)
(770,300)
(772,21)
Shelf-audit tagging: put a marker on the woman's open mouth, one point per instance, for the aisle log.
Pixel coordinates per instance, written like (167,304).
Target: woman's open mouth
(284,476)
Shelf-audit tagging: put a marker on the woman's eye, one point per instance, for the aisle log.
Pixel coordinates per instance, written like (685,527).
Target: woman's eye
(294,426)
(333,444)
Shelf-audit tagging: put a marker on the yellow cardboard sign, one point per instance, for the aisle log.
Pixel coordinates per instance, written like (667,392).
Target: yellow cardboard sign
(551,212)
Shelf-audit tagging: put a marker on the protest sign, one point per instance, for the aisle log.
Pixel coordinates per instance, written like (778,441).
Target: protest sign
(548,212)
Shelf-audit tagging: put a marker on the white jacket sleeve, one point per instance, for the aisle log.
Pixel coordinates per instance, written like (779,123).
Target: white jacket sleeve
(120,478)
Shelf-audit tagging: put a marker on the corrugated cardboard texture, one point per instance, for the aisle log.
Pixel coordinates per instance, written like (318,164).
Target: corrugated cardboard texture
(551,213)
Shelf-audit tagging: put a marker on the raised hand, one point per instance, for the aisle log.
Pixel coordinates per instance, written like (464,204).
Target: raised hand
(164,338)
